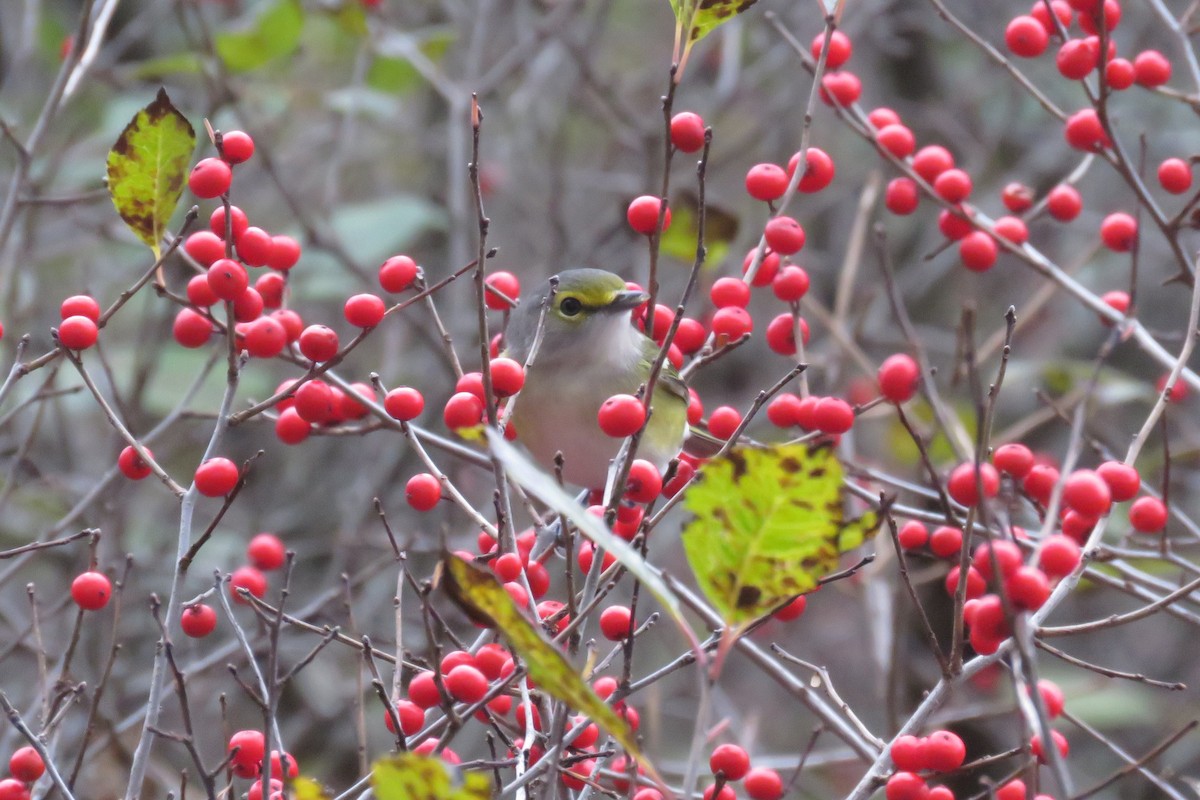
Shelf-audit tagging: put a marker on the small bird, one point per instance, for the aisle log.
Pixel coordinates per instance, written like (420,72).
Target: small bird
(589,352)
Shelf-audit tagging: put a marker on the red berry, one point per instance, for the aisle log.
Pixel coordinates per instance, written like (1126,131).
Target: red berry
(913,534)
(1175,175)
(953,185)
(1179,390)
(818,170)
(227,278)
(131,464)
(768,267)
(723,421)
(211,177)
(690,335)
(898,376)
(236,146)
(77,333)
(284,253)
(423,491)
(398,273)
(763,783)
(881,117)
(291,428)
(191,329)
(962,483)
(840,49)
(466,684)
(944,751)
(954,224)
(1026,37)
(13,789)
(1006,554)
(1014,789)
(423,691)
(315,402)
(1075,59)
(931,161)
(644,483)
(615,623)
(472,383)
(251,746)
(840,88)
(80,305)
(781,334)
(1091,16)
(784,235)
(238,222)
(905,786)
(789,284)
(1087,492)
(897,139)
(1083,131)
(1017,197)
(687,131)
(1058,556)
(621,415)
(265,337)
(248,306)
(198,620)
(254,246)
(1015,459)
(319,342)
(976,584)
(1013,229)
(1039,482)
(404,403)
(908,753)
(643,212)
(731,760)
(901,196)
(364,310)
(1118,231)
(91,590)
(216,477)
(833,415)
(1151,68)
(1027,588)
(1064,202)
(1116,300)
(1052,697)
(1060,741)
(1122,479)
(501,285)
(1148,515)
(945,541)
(26,764)
(250,579)
(508,376)
(766,182)
(199,292)
(462,410)
(1119,74)
(270,287)
(793,610)
(726,793)
(726,292)
(732,323)
(781,411)
(266,551)
(977,250)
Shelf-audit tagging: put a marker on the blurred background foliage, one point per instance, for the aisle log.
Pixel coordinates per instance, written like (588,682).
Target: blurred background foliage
(361,120)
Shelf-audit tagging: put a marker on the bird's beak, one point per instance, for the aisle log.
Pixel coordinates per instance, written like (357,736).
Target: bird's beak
(628,299)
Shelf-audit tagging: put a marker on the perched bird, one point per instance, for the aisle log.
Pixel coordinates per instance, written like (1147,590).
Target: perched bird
(589,351)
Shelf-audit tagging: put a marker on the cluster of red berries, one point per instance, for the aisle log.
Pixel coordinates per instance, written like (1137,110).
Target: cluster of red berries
(731,764)
(940,751)
(247,749)
(265,552)
(25,766)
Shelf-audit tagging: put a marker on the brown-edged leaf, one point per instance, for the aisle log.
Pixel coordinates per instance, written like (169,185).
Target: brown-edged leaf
(147,168)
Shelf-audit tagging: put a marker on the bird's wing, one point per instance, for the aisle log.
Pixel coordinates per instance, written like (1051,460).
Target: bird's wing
(668,378)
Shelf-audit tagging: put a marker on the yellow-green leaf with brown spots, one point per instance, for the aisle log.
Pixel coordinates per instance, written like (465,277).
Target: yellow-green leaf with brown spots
(769,524)
(481,597)
(408,776)
(147,168)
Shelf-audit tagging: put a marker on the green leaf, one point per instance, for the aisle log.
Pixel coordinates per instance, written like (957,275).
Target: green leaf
(769,524)
(308,789)
(147,168)
(275,33)
(700,17)
(409,776)
(393,72)
(481,597)
(167,66)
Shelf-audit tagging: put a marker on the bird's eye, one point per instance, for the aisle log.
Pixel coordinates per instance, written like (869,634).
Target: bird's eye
(570,306)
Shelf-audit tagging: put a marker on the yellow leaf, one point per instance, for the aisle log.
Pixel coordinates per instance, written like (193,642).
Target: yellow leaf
(408,776)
